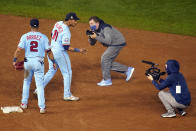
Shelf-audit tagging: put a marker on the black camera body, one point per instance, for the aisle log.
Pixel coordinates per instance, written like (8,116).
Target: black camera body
(154,71)
(89,32)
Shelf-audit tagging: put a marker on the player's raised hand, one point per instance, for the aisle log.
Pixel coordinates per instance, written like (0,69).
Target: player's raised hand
(83,50)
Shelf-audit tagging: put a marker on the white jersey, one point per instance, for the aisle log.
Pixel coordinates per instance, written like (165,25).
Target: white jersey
(60,36)
(34,43)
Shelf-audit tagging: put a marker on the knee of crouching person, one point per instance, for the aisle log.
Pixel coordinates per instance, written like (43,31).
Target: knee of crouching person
(160,94)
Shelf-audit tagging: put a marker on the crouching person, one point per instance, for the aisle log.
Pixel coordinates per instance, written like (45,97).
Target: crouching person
(178,97)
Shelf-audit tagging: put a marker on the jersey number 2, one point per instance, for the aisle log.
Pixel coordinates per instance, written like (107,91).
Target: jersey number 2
(55,35)
(34,45)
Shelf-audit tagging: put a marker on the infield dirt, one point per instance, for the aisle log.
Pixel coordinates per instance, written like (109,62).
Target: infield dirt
(124,106)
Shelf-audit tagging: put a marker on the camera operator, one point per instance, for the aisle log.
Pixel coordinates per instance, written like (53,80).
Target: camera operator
(114,41)
(178,96)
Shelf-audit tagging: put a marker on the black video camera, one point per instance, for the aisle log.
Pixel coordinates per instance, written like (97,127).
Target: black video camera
(89,32)
(153,71)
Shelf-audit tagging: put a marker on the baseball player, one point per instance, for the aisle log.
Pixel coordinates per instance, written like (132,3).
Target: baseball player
(35,45)
(60,45)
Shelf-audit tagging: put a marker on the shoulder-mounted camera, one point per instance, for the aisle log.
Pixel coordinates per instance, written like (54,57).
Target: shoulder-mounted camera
(154,71)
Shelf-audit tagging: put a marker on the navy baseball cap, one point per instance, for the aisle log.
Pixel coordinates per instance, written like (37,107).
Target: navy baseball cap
(34,23)
(71,16)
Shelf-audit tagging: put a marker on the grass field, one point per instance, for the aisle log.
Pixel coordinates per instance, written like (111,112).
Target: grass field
(171,16)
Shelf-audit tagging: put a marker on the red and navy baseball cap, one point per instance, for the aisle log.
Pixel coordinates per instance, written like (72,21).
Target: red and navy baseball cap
(71,16)
(34,23)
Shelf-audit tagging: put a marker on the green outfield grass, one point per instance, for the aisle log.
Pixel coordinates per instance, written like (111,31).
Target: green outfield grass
(171,16)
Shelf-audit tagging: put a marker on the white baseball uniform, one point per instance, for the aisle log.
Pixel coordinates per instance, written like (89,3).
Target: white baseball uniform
(35,45)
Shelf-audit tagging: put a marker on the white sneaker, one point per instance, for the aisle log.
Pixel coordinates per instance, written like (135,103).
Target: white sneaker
(42,111)
(23,106)
(105,83)
(169,115)
(129,73)
(71,98)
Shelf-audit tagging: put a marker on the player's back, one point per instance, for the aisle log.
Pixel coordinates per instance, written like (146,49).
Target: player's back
(34,43)
(60,35)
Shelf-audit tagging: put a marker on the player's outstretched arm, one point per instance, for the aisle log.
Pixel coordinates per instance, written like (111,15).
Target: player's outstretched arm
(81,50)
(72,49)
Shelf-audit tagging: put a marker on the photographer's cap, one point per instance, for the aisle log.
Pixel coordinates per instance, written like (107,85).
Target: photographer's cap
(71,16)
(34,23)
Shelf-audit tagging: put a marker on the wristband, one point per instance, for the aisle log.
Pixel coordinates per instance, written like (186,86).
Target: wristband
(14,60)
(66,47)
(76,50)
